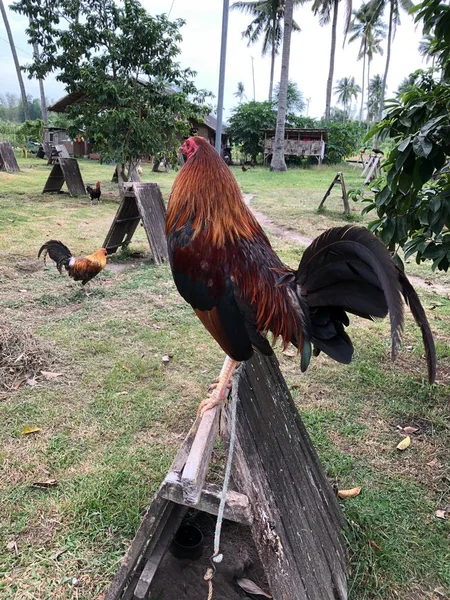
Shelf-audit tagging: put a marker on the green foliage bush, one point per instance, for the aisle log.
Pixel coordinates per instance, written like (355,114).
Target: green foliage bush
(344,139)
(247,123)
(412,199)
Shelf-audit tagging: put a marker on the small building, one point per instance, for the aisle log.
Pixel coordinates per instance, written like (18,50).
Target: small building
(54,136)
(81,147)
(298,142)
(207,129)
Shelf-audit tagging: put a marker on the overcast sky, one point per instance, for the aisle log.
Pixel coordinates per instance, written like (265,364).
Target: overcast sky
(201,49)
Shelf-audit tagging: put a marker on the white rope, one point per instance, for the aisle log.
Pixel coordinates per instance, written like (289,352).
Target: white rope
(217,557)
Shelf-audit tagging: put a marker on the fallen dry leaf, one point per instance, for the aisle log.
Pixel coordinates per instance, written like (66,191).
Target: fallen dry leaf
(374,545)
(127,368)
(27,429)
(404,443)
(433,463)
(410,430)
(49,483)
(165,359)
(250,587)
(32,381)
(50,374)
(349,493)
(12,546)
(440,514)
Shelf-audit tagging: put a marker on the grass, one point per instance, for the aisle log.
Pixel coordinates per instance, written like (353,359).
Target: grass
(113,419)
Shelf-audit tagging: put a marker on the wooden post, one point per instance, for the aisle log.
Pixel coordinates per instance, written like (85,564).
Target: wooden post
(339,178)
(8,161)
(65,170)
(297,518)
(140,201)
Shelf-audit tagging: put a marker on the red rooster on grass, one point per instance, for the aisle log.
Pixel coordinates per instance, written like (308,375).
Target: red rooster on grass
(224,266)
(80,269)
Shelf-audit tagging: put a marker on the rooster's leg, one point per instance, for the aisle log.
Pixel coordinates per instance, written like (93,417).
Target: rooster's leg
(219,394)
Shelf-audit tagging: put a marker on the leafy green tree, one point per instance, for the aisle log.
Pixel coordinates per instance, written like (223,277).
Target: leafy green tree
(412,200)
(247,123)
(268,24)
(346,89)
(344,139)
(136,98)
(324,8)
(369,31)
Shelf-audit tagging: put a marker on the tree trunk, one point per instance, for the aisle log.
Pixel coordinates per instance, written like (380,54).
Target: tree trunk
(278,163)
(41,87)
(272,69)
(388,57)
(16,62)
(361,110)
(332,55)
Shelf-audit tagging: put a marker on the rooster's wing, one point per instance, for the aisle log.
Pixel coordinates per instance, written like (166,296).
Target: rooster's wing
(204,277)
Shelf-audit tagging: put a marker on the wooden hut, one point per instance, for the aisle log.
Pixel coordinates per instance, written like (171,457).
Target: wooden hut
(298,142)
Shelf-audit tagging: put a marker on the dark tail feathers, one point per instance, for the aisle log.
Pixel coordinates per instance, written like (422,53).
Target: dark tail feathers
(347,269)
(58,252)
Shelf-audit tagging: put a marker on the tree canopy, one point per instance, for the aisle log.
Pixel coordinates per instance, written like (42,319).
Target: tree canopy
(246,125)
(136,97)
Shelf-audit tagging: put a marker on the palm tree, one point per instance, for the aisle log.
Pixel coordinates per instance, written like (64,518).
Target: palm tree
(374,98)
(277,162)
(426,48)
(366,26)
(16,62)
(268,21)
(346,89)
(324,8)
(294,100)
(394,21)
(240,92)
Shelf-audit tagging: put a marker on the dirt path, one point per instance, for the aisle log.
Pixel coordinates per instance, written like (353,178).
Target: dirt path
(303,240)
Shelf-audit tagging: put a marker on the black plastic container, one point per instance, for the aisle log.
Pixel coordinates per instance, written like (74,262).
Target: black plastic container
(188,542)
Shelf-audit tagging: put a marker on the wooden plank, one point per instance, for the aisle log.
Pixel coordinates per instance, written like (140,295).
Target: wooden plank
(62,151)
(375,163)
(55,180)
(194,472)
(153,213)
(153,521)
(8,161)
(123,226)
(237,507)
(163,541)
(297,518)
(72,176)
(327,193)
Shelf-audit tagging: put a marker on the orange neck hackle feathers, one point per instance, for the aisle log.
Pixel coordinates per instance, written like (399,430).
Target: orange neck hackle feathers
(206,191)
(99,257)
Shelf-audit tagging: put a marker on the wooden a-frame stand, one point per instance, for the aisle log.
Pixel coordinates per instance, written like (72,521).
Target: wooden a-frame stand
(141,201)
(65,170)
(284,496)
(339,178)
(8,161)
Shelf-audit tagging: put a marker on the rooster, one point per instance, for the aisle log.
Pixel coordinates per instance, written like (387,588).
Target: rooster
(94,192)
(224,266)
(80,269)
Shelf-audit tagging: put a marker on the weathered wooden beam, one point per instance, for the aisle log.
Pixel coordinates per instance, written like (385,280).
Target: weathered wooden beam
(237,507)
(197,462)
(8,161)
(146,537)
(297,518)
(161,540)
